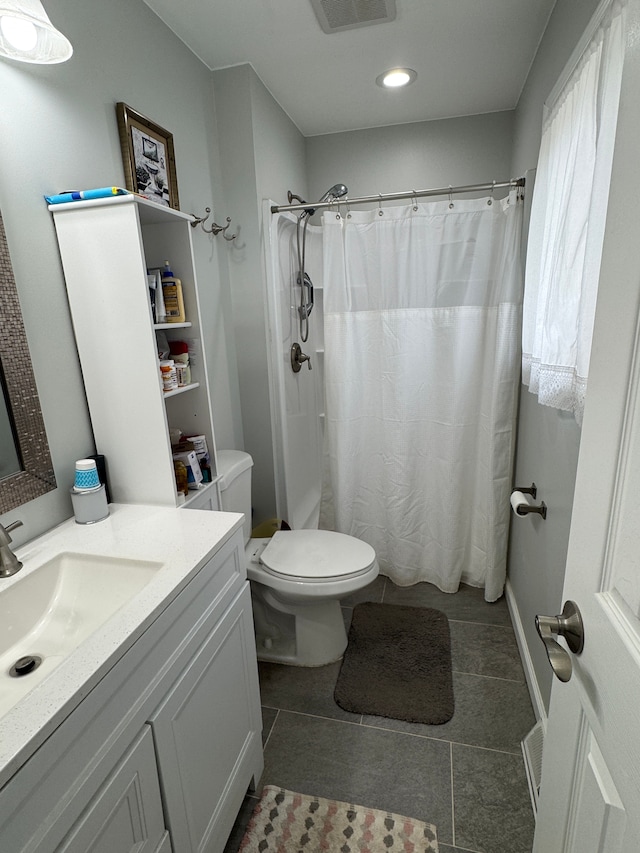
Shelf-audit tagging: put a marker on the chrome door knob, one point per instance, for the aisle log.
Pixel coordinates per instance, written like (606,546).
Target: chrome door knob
(568,625)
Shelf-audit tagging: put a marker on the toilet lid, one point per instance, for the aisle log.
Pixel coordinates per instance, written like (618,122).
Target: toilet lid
(316,554)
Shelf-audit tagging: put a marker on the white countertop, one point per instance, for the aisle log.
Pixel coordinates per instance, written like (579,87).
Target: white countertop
(182,540)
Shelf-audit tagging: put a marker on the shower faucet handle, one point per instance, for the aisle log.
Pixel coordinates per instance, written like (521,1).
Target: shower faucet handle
(298,358)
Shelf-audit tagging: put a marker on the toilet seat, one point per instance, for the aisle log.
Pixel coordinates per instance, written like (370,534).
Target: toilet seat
(316,555)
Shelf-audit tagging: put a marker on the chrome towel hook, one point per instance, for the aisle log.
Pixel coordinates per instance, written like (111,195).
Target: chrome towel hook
(215,228)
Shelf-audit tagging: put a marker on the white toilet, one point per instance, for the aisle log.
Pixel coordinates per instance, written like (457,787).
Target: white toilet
(297,578)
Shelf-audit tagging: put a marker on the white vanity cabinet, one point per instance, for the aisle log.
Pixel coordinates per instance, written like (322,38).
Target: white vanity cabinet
(158,755)
(197,761)
(106,246)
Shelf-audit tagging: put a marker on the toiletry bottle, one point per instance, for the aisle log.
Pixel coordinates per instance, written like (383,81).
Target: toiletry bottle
(180,353)
(182,481)
(172,294)
(169,375)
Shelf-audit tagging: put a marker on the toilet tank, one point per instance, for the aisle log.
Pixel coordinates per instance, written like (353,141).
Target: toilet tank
(234,470)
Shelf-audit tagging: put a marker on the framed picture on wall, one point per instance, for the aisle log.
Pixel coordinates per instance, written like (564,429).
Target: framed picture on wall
(148,157)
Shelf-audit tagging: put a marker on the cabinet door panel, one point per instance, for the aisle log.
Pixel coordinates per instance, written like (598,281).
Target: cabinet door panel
(207,734)
(125,816)
(206,499)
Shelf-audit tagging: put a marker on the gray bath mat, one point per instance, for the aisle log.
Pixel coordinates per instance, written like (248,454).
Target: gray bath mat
(397,664)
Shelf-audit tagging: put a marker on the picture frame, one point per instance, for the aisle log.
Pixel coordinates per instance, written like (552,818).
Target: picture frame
(148,157)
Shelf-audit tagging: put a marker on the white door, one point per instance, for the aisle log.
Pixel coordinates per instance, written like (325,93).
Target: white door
(590,793)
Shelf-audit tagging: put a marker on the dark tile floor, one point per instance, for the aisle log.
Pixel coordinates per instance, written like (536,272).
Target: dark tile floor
(466,776)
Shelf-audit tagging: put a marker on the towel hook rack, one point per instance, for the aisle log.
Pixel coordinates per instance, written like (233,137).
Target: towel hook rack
(215,228)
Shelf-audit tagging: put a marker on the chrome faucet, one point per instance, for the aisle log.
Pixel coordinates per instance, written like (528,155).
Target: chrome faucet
(9,563)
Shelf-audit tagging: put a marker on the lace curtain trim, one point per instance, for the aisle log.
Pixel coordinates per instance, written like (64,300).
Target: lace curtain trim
(556,386)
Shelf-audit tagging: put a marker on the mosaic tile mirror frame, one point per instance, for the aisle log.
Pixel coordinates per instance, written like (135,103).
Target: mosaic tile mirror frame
(30,470)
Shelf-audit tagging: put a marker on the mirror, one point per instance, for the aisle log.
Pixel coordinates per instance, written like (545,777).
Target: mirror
(26,471)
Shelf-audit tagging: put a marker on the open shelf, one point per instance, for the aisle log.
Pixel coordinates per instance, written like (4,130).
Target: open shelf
(185,325)
(181,389)
(141,235)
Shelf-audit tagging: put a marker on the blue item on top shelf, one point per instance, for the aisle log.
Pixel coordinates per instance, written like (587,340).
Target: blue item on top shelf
(83,195)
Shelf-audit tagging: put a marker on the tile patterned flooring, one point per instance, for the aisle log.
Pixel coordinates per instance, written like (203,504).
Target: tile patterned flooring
(466,776)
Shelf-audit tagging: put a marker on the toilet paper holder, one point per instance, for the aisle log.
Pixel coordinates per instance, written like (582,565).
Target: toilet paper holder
(525,509)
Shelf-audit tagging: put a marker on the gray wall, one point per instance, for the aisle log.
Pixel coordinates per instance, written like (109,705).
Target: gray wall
(423,155)
(548,440)
(59,132)
(263,155)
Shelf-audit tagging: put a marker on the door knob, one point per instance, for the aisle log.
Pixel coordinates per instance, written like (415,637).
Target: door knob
(568,625)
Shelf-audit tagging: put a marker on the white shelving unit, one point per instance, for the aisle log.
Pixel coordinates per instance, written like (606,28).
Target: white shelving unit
(106,246)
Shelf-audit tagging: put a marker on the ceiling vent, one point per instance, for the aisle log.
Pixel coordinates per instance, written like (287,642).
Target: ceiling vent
(337,15)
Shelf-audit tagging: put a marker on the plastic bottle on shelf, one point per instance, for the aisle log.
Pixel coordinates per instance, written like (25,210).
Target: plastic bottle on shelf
(172,295)
(180,354)
(182,481)
(169,375)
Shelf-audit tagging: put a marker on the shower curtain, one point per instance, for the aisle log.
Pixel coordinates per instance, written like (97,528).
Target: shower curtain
(422,318)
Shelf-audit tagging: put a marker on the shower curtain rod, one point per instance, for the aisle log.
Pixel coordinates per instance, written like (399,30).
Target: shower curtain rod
(409,194)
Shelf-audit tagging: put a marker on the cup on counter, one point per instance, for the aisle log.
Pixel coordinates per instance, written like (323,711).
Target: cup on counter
(86,478)
(88,495)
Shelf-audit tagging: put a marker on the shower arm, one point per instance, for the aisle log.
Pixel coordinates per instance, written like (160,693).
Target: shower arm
(408,195)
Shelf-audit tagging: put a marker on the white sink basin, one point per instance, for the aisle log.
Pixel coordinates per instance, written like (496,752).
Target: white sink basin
(48,612)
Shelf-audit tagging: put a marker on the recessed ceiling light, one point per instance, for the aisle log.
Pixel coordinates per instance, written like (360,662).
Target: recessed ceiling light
(396,78)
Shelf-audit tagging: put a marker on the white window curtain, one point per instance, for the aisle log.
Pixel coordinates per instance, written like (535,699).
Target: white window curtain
(568,216)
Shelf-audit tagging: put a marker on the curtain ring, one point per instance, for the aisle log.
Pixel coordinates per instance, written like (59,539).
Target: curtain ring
(414,198)
(380,210)
(346,202)
(450,196)
(493,189)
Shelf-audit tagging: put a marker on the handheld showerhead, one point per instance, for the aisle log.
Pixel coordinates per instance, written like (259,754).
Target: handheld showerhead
(336,191)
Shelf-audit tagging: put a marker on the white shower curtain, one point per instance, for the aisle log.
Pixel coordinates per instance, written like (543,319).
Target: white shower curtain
(422,315)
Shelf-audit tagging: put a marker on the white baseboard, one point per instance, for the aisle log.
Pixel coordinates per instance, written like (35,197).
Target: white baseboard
(529,672)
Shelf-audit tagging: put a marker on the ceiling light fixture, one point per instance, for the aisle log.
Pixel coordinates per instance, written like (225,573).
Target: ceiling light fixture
(27,34)
(396,78)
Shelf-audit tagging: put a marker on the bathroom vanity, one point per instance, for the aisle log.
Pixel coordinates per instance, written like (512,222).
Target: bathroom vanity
(146,734)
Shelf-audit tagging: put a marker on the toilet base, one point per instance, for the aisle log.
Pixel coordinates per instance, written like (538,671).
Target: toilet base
(298,634)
